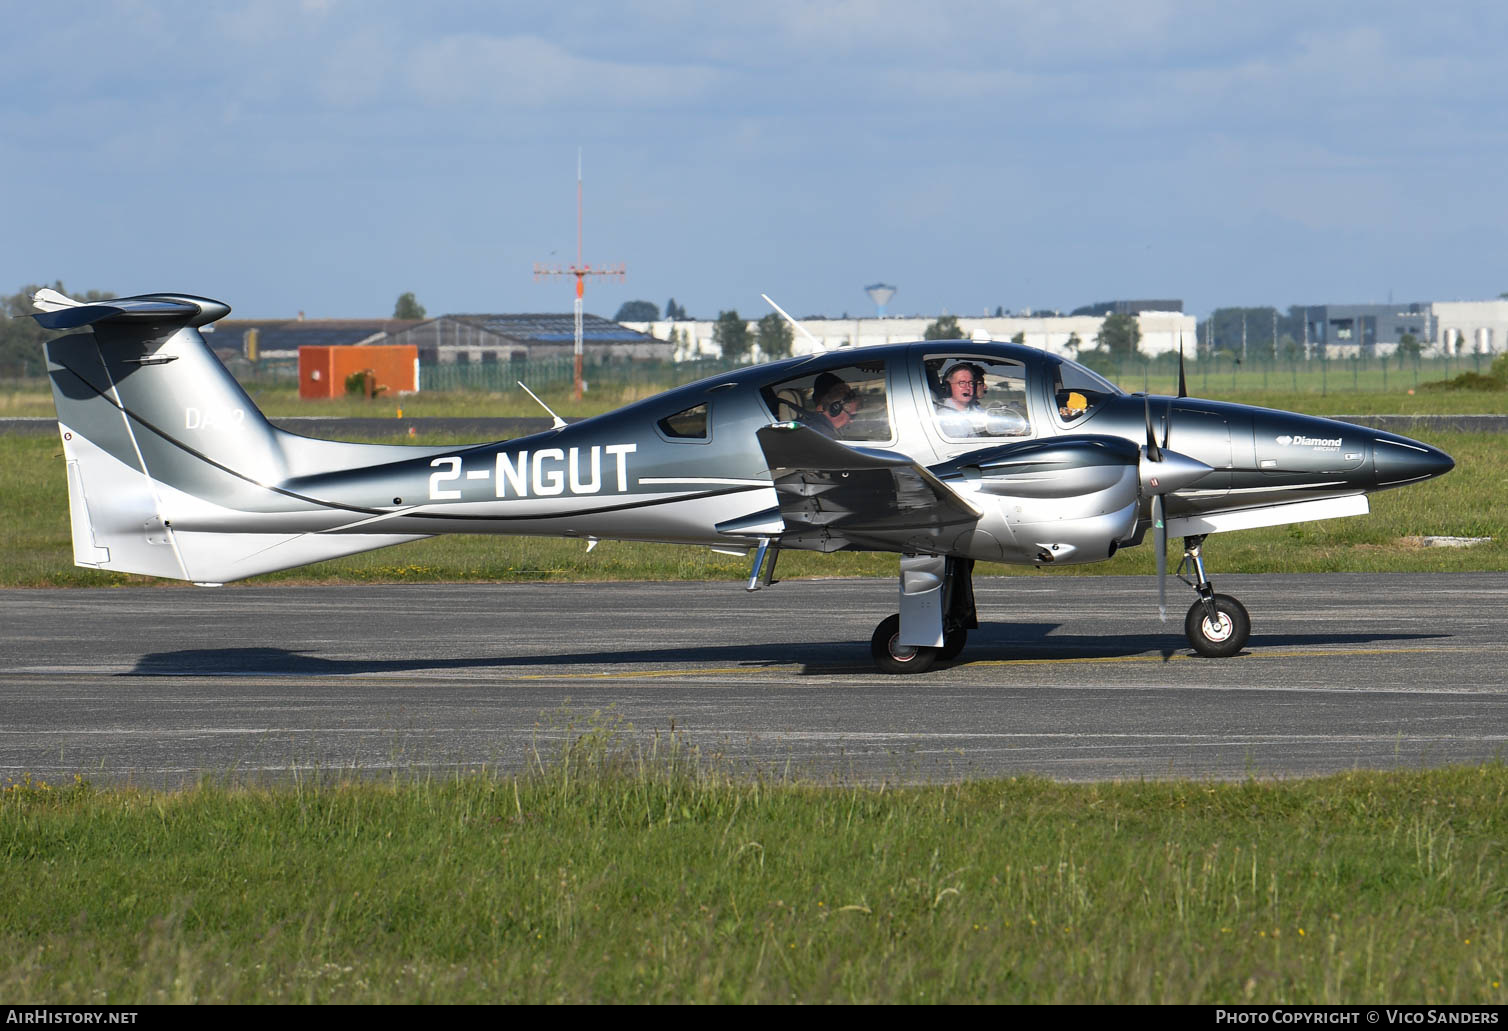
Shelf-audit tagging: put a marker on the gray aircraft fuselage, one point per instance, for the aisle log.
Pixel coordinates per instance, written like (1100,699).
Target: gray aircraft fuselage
(620,475)
(945,452)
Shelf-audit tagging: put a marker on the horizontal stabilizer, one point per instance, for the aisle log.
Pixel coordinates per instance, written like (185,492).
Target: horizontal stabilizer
(148,314)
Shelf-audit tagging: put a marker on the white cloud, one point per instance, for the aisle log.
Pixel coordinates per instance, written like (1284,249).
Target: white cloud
(356,68)
(529,72)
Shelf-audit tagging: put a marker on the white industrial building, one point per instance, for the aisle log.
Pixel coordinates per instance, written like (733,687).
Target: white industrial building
(1064,335)
(1469,327)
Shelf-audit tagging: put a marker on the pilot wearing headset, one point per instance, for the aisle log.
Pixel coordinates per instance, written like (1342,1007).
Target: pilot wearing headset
(959,412)
(835,403)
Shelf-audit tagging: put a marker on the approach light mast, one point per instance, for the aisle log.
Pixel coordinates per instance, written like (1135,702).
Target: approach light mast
(580,270)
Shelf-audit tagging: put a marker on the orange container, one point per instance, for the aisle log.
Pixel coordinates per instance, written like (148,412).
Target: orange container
(322,371)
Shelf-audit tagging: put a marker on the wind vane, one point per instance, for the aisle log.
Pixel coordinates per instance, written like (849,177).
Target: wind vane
(580,270)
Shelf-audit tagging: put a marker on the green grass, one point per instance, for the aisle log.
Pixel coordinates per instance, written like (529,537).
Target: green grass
(32,398)
(1339,388)
(608,876)
(36,548)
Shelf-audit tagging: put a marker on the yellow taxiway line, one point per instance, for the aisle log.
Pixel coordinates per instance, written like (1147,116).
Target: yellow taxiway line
(1099,659)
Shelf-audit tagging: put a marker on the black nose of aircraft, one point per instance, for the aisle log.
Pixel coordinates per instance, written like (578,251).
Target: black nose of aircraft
(1398,460)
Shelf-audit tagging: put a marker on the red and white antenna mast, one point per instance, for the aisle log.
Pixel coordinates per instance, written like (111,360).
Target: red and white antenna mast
(580,270)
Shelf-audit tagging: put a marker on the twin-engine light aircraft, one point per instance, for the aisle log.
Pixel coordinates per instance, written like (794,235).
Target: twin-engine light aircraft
(946,452)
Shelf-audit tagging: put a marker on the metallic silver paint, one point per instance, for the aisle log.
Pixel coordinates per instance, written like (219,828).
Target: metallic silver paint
(172,471)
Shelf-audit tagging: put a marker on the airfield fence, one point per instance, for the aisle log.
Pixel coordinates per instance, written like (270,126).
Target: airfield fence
(1220,373)
(498,377)
(1225,374)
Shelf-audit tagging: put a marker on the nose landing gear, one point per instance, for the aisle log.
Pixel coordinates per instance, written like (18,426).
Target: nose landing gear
(1217,625)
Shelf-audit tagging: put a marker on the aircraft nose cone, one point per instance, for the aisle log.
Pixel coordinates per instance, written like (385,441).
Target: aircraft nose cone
(1399,461)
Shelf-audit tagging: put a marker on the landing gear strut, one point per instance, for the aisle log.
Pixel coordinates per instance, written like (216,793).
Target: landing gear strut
(937,613)
(1217,624)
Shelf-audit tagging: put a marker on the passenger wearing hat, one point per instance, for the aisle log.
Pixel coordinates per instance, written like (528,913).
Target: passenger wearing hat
(1073,406)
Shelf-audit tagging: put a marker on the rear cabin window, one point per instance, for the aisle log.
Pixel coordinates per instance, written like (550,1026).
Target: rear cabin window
(977,397)
(690,424)
(846,403)
(1078,391)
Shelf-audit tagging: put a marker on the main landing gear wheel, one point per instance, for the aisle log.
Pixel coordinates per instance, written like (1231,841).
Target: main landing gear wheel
(893,657)
(1222,636)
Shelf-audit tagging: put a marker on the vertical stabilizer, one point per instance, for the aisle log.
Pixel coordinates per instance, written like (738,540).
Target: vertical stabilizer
(155,428)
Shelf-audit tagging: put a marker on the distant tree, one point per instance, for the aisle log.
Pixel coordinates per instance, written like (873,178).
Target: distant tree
(1224,325)
(21,338)
(775,337)
(408,307)
(999,311)
(637,311)
(1408,346)
(674,311)
(1019,338)
(1119,335)
(731,333)
(1072,344)
(1290,349)
(945,328)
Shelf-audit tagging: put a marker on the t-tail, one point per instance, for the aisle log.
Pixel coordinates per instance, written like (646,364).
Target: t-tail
(172,470)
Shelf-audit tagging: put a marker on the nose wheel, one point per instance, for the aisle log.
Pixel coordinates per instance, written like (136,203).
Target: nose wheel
(1217,624)
(1223,633)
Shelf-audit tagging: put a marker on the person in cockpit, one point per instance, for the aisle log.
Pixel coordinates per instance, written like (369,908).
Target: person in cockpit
(834,405)
(959,413)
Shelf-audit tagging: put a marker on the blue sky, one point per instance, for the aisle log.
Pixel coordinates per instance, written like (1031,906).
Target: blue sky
(327,155)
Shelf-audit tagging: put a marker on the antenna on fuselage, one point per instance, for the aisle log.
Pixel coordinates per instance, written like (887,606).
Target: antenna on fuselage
(559,423)
(799,327)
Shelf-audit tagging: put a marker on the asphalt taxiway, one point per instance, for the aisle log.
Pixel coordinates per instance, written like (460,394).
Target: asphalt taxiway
(1072,677)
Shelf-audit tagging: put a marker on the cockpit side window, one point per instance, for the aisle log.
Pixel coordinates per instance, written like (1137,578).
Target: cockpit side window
(845,403)
(1078,391)
(977,397)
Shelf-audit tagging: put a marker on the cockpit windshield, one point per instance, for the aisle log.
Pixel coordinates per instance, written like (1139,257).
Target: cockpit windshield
(1078,391)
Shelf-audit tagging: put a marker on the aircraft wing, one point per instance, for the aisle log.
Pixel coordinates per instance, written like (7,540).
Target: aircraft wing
(840,495)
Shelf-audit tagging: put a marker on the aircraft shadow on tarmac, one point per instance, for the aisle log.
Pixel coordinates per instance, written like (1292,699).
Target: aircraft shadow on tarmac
(1002,642)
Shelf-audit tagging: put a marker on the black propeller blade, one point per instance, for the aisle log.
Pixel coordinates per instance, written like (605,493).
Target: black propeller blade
(1159,509)
(1154,453)
(1183,384)
(1159,505)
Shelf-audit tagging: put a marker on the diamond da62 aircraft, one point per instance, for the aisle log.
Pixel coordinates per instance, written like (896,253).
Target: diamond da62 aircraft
(945,452)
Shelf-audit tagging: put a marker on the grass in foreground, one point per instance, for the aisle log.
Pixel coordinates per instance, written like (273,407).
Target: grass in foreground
(36,547)
(605,877)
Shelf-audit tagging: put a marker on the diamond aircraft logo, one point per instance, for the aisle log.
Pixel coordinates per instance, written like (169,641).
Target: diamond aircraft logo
(1318,443)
